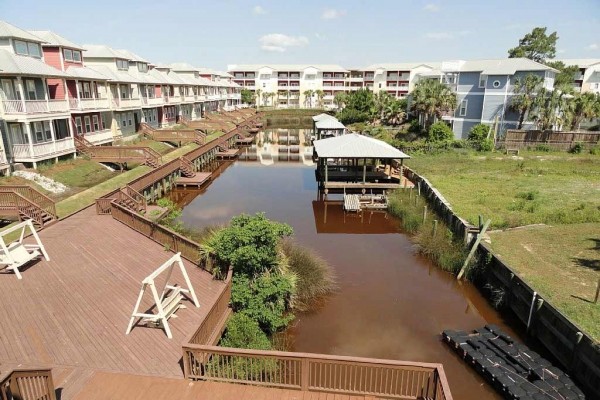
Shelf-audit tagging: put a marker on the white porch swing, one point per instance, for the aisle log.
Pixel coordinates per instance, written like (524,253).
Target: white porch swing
(16,254)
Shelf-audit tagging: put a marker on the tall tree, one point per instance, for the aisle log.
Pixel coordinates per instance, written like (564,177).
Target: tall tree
(583,106)
(340,99)
(394,113)
(382,101)
(308,95)
(549,109)
(536,45)
(247,96)
(320,94)
(258,97)
(431,99)
(525,90)
(563,80)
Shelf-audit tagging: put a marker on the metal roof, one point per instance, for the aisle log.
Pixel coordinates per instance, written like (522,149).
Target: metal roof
(132,56)
(102,51)
(54,39)
(354,145)
(329,123)
(396,66)
(504,66)
(8,30)
(287,67)
(86,73)
(322,116)
(117,76)
(581,62)
(182,66)
(23,65)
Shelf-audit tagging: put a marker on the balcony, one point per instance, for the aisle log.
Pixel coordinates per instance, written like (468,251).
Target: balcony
(355,79)
(172,99)
(26,107)
(188,99)
(2,157)
(121,104)
(99,137)
(42,151)
(88,104)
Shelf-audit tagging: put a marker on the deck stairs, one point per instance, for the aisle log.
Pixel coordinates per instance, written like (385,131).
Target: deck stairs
(118,154)
(175,136)
(25,202)
(186,167)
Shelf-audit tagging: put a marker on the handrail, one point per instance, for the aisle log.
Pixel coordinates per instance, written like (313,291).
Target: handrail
(137,197)
(28,384)
(34,199)
(317,372)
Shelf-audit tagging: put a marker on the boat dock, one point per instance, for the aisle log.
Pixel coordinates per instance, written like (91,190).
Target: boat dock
(199,179)
(227,154)
(358,202)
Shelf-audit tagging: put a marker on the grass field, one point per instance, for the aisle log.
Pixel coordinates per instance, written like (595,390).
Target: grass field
(551,188)
(561,262)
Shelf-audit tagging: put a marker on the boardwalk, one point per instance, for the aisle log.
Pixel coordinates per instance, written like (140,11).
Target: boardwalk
(107,386)
(71,313)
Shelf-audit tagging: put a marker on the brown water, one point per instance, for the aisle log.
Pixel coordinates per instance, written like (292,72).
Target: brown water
(391,303)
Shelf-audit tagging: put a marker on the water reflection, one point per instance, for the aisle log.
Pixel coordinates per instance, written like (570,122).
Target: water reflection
(280,145)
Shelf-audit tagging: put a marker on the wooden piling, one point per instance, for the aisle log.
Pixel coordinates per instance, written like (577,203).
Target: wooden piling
(597,292)
(424,213)
(435,222)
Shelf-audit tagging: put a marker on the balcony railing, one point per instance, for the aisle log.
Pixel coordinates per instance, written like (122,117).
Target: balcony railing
(2,157)
(37,151)
(126,103)
(34,106)
(99,137)
(88,104)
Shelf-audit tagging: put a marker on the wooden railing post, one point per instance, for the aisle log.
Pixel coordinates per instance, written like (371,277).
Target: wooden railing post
(305,374)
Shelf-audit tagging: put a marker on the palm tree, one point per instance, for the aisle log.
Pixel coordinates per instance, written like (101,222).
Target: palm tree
(308,96)
(431,99)
(581,107)
(340,99)
(548,109)
(258,93)
(320,94)
(525,91)
(393,114)
(382,100)
(269,96)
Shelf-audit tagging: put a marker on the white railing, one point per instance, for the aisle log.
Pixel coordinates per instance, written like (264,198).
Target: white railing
(128,103)
(64,144)
(88,104)
(13,107)
(99,137)
(34,106)
(188,98)
(155,101)
(26,152)
(2,157)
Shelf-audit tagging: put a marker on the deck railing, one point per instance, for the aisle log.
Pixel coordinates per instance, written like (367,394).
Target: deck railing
(25,384)
(317,372)
(189,249)
(38,198)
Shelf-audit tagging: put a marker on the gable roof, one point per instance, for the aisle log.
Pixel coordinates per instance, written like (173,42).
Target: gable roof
(22,65)
(322,116)
(117,76)
(54,39)
(85,73)
(132,56)
(182,66)
(102,51)
(581,62)
(501,66)
(11,31)
(354,145)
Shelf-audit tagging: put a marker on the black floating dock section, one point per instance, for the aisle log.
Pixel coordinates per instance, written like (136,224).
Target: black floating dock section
(514,370)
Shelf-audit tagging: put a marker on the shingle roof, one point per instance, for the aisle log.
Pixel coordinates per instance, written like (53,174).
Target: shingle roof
(102,51)
(54,39)
(287,67)
(581,62)
(86,73)
(22,65)
(354,145)
(8,30)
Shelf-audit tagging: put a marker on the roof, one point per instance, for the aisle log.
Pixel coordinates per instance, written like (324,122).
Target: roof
(287,67)
(182,66)
(102,51)
(581,62)
(503,66)
(132,56)
(329,123)
(85,73)
(117,76)
(354,145)
(396,66)
(54,39)
(23,65)
(8,30)
(321,116)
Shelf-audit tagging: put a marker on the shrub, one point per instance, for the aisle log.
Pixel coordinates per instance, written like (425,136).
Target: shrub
(544,148)
(265,299)
(244,333)
(486,145)
(479,138)
(440,132)
(171,219)
(314,276)
(577,148)
(352,116)
(595,150)
(248,244)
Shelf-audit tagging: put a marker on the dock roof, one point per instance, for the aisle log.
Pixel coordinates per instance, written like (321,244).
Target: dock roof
(354,145)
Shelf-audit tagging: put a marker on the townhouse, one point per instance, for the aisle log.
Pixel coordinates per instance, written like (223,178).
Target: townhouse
(588,77)
(484,90)
(35,112)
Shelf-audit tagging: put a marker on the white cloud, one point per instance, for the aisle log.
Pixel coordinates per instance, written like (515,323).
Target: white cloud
(279,42)
(258,10)
(332,13)
(445,35)
(593,46)
(431,7)
(561,51)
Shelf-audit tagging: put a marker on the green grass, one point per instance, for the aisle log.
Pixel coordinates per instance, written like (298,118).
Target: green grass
(552,188)
(562,263)
(214,135)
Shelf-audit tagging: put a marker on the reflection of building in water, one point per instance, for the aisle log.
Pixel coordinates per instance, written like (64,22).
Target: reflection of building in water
(331,218)
(279,145)
(184,196)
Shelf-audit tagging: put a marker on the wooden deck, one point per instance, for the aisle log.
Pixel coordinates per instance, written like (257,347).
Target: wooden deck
(70,313)
(227,154)
(196,181)
(110,386)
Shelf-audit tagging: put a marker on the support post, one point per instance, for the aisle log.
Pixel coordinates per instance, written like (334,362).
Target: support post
(424,213)
(435,223)
(364,170)
(472,252)
(597,292)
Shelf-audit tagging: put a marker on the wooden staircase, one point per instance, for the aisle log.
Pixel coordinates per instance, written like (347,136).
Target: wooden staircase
(186,167)
(118,154)
(175,136)
(24,202)
(131,199)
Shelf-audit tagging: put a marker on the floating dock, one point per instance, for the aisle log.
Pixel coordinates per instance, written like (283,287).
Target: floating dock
(358,202)
(197,180)
(227,154)
(514,370)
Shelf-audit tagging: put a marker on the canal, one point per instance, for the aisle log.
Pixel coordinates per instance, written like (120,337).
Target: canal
(391,302)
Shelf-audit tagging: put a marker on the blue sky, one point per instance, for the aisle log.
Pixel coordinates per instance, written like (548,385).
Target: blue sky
(353,33)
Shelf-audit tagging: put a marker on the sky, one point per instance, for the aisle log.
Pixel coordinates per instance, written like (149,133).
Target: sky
(351,33)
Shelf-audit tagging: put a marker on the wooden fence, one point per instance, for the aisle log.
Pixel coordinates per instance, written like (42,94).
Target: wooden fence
(40,199)
(318,372)
(25,384)
(578,353)
(517,139)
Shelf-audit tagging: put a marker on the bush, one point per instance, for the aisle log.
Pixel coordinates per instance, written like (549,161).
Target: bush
(265,299)
(352,116)
(479,138)
(248,244)
(244,333)
(314,277)
(171,219)
(595,150)
(544,148)
(440,132)
(577,148)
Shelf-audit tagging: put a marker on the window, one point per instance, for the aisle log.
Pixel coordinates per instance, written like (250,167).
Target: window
(84,90)
(462,111)
(47,130)
(88,125)
(78,125)
(142,67)
(103,119)
(42,132)
(21,47)
(76,56)
(124,120)
(482,80)
(496,84)
(33,49)
(122,64)
(96,124)
(124,92)
(130,115)
(68,54)
(31,92)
